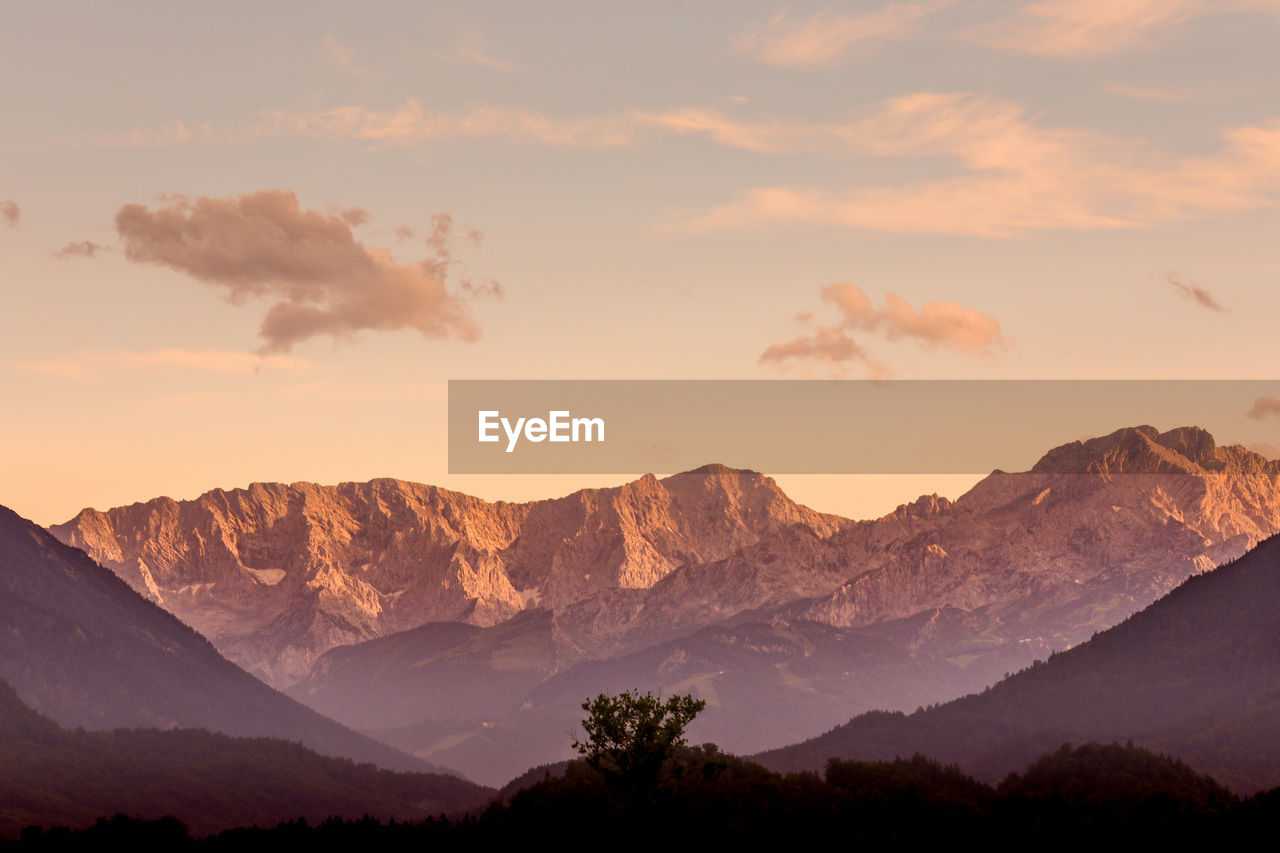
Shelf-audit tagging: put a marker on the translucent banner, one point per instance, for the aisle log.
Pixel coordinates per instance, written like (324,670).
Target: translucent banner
(826,426)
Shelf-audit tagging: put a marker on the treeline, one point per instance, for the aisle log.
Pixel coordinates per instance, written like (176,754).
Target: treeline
(50,776)
(1102,795)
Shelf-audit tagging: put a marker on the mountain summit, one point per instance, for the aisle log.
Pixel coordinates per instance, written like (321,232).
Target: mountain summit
(278,574)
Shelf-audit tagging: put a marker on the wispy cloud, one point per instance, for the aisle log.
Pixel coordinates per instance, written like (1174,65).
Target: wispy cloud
(343,57)
(1159,94)
(10,213)
(412,124)
(1194,292)
(90,364)
(1087,28)
(322,280)
(170,135)
(81,249)
(1264,407)
(1015,175)
(824,346)
(470,49)
(1063,29)
(354,216)
(409,124)
(943,324)
(826,37)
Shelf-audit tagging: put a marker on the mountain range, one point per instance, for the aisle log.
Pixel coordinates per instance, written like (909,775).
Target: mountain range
(469,632)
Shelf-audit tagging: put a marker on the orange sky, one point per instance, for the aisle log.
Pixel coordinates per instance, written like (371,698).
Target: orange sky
(242,244)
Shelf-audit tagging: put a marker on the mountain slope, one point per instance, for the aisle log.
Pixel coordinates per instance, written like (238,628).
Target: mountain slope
(81,647)
(1196,674)
(50,776)
(1022,565)
(762,683)
(441,671)
(276,575)
(1095,531)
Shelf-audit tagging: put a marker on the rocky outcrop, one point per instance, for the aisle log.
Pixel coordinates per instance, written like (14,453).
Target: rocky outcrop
(1097,530)
(276,575)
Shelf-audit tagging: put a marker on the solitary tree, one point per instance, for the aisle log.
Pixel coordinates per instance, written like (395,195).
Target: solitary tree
(630,736)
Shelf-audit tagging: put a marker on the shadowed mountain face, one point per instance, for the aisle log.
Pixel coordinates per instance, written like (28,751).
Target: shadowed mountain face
(50,776)
(1197,675)
(467,631)
(761,682)
(81,647)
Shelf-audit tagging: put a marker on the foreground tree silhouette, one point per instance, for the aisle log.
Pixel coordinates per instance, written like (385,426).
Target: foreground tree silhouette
(630,736)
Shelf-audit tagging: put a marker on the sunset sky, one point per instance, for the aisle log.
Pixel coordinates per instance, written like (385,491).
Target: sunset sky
(252,242)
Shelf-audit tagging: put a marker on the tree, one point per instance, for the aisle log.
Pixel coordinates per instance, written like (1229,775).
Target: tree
(630,736)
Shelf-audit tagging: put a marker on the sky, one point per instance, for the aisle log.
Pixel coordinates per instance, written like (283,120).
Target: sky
(252,242)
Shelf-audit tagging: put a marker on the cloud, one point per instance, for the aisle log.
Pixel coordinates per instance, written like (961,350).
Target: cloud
(354,216)
(1156,93)
(10,213)
(403,232)
(322,280)
(825,345)
(1011,174)
(470,49)
(173,134)
(760,137)
(86,365)
(824,38)
(1264,406)
(946,324)
(408,125)
(441,237)
(1088,28)
(1195,293)
(411,124)
(343,57)
(1064,28)
(81,249)
(935,324)
(441,240)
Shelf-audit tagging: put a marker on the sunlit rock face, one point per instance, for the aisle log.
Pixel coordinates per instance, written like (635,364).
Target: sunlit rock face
(276,575)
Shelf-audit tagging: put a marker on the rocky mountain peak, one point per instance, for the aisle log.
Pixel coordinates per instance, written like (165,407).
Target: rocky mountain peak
(276,573)
(1146,450)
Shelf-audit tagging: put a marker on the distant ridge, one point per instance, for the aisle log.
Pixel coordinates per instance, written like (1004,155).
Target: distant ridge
(1197,675)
